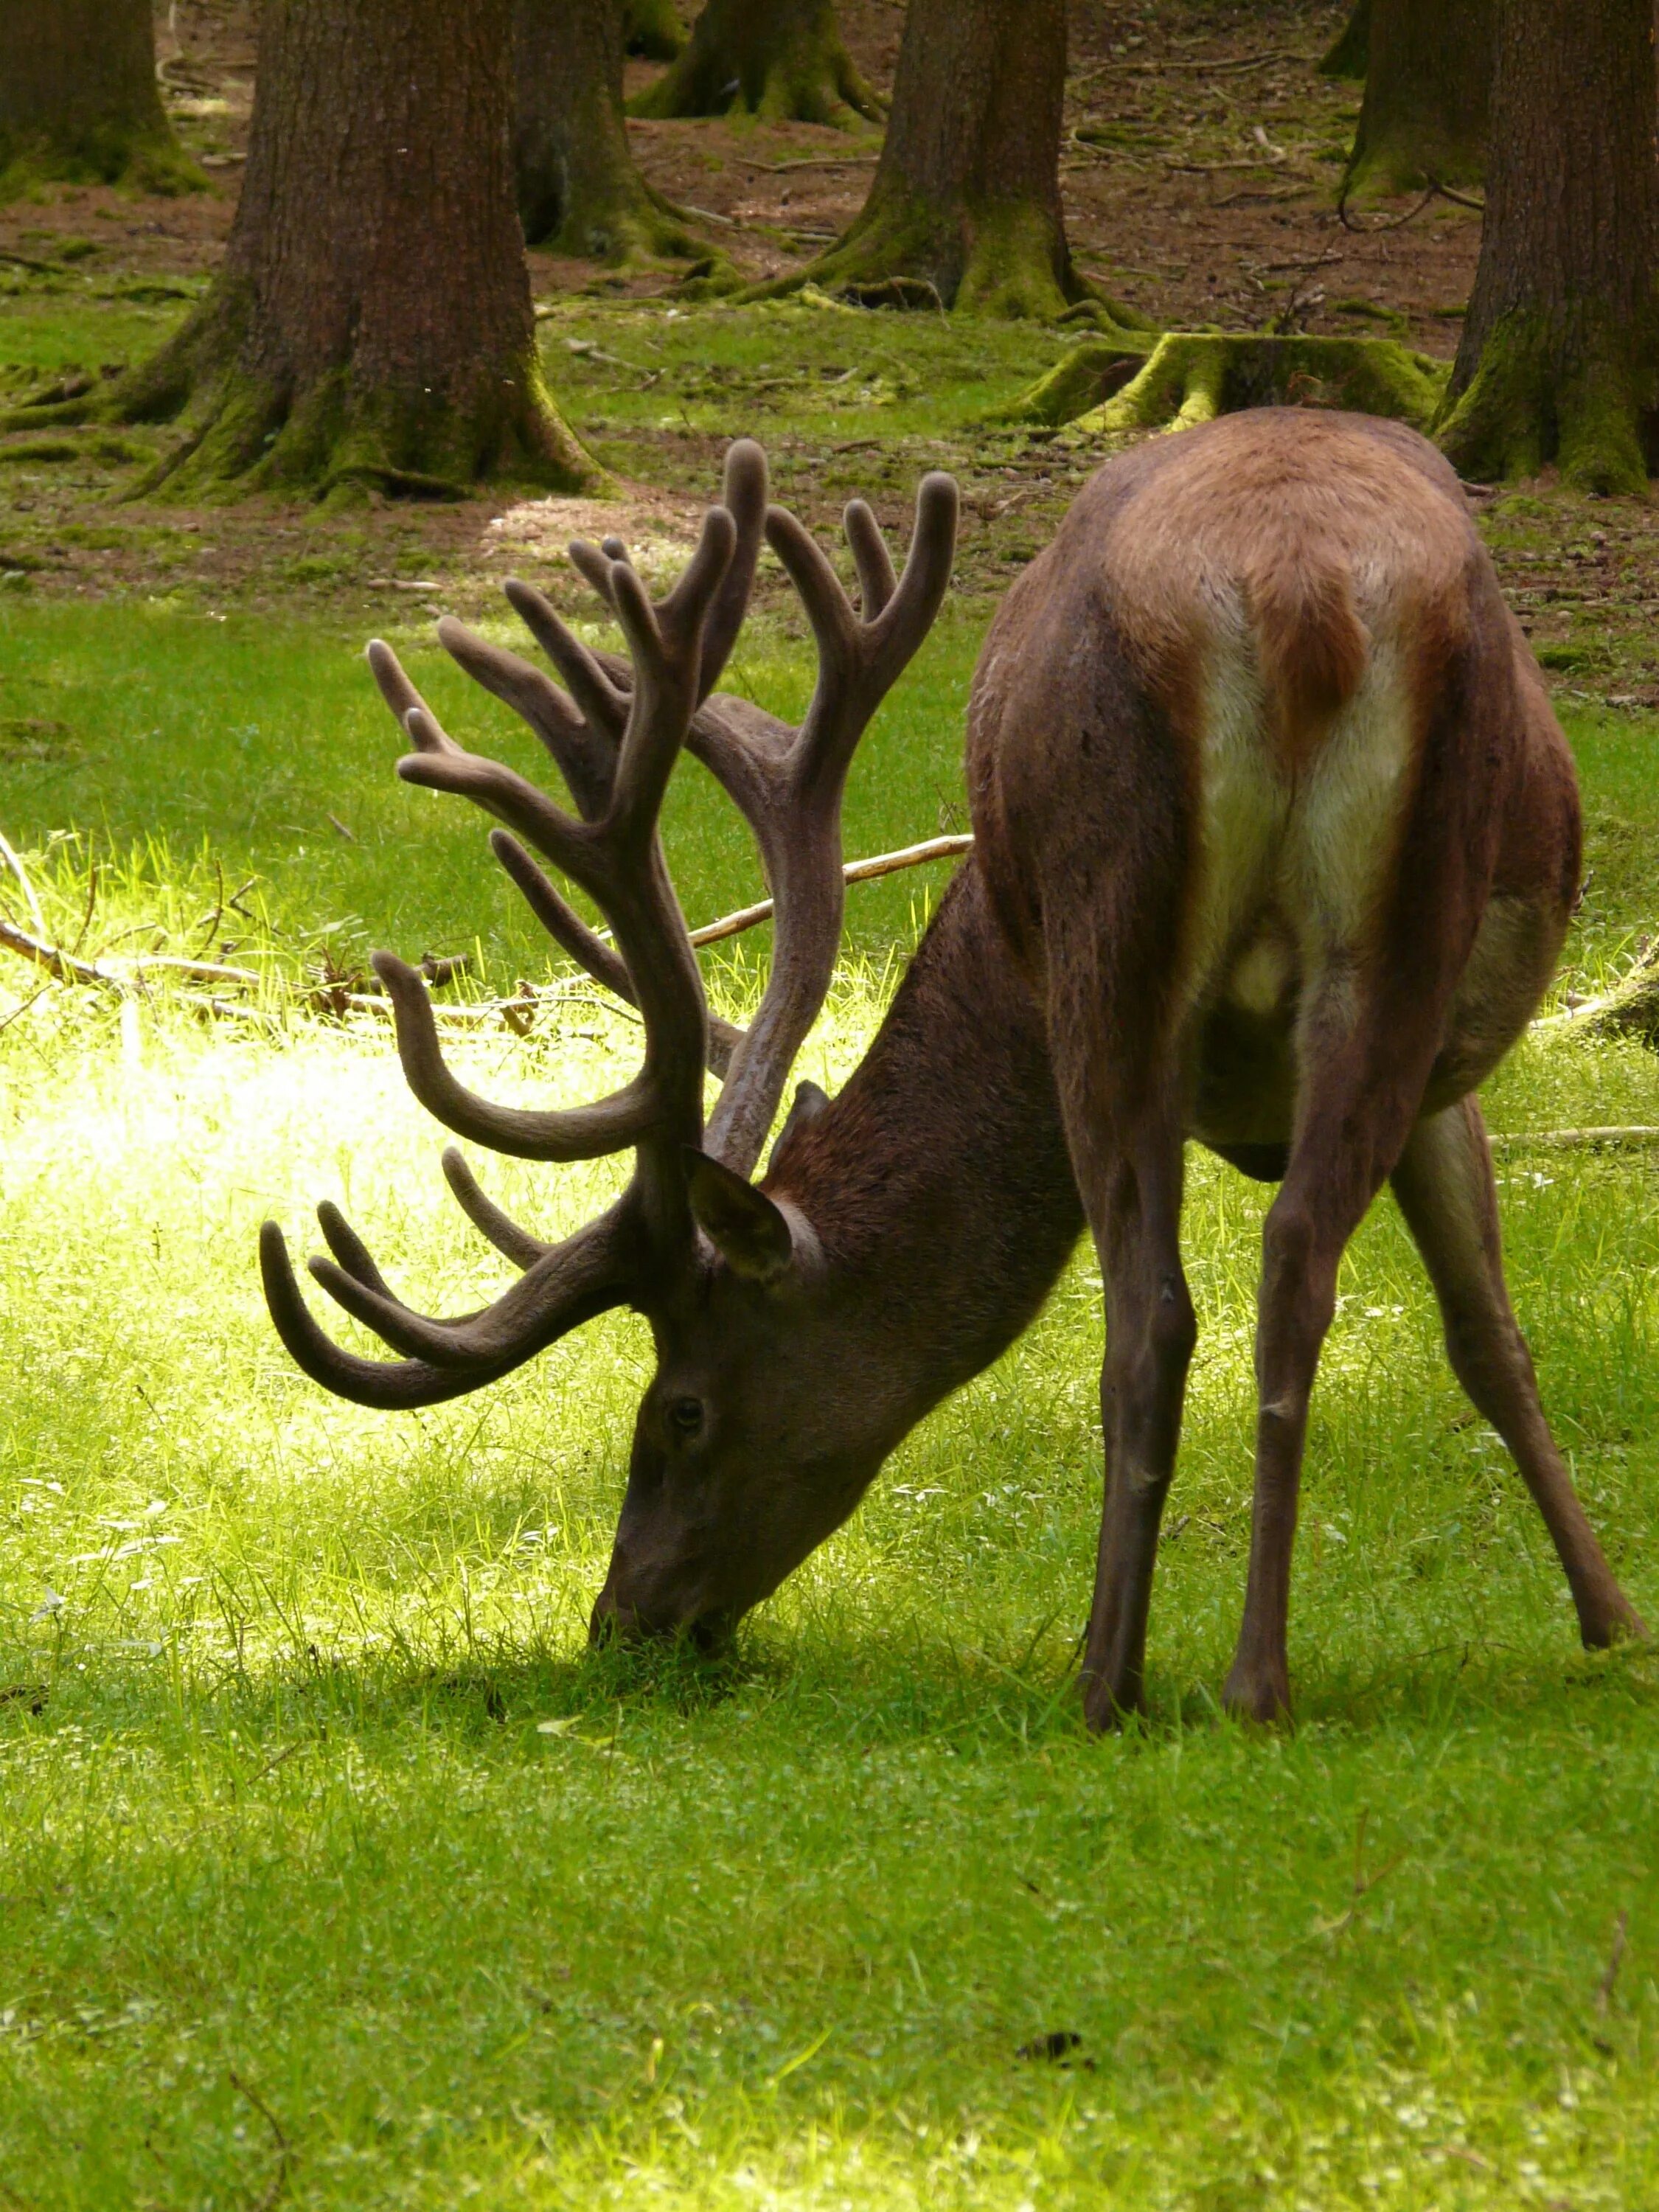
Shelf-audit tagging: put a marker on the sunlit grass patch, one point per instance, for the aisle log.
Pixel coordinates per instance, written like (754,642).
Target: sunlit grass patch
(331,1857)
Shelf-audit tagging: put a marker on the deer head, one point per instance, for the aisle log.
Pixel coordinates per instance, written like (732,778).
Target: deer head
(753,1440)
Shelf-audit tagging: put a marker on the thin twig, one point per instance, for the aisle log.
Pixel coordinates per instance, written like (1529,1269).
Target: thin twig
(279,2179)
(1604,1987)
(62,965)
(9,854)
(855,871)
(1567,1140)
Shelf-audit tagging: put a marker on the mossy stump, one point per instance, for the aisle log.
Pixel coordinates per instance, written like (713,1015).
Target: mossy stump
(1191,377)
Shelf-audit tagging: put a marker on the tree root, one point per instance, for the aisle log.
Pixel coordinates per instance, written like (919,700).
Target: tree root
(332,440)
(806,77)
(1519,411)
(652,28)
(1191,377)
(1006,260)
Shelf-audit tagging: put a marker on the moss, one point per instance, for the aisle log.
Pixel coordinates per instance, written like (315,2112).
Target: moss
(141,160)
(1191,376)
(1522,410)
(1001,259)
(806,78)
(1080,380)
(335,441)
(652,28)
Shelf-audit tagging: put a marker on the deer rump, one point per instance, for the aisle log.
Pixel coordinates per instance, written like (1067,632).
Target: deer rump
(1277,839)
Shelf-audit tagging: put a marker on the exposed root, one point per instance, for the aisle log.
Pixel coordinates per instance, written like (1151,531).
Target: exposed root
(1006,259)
(333,439)
(739,61)
(1520,411)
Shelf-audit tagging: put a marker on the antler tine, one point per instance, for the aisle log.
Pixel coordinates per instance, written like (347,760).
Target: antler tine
(567,1285)
(561,920)
(666,644)
(401,695)
(877,581)
(860,661)
(486,1217)
(390,1386)
(580,731)
(586,948)
(744,496)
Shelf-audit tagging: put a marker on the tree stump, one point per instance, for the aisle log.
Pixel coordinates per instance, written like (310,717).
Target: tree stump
(1191,377)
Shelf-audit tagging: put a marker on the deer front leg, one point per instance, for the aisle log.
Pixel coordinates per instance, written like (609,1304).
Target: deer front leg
(1445,1186)
(1133,1198)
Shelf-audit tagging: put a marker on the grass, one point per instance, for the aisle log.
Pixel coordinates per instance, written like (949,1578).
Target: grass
(336,1873)
(330,1856)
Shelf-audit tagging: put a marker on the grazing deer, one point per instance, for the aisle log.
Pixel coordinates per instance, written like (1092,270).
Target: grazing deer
(1277,843)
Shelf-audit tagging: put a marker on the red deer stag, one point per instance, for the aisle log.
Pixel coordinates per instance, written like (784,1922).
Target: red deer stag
(1277,842)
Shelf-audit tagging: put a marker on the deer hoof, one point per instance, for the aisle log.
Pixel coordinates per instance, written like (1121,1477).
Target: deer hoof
(1261,1695)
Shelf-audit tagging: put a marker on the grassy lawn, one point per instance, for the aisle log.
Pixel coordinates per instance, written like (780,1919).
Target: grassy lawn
(336,1873)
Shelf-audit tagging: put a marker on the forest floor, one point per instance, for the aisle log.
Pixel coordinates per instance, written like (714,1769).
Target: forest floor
(1205,193)
(335,1872)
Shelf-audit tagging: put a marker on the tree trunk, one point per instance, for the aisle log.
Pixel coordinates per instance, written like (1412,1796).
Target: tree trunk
(1346,56)
(782,59)
(1428,87)
(372,326)
(651,27)
(579,189)
(965,205)
(78,97)
(1561,341)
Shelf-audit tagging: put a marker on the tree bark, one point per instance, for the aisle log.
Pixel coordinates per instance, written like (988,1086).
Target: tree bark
(1345,57)
(1428,89)
(78,98)
(1560,349)
(651,27)
(372,326)
(578,189)
(780,59)
(965,206)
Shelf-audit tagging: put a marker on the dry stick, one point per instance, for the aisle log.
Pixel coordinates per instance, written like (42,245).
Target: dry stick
(1566,1140)
(279,2181)
(855,871)
(8,854)
(1604,1988)
(62,965)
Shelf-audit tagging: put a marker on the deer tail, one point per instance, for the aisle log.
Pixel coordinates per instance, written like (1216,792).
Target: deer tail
(1311,644)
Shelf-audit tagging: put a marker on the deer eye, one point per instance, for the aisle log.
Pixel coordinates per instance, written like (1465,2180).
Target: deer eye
(685,1416)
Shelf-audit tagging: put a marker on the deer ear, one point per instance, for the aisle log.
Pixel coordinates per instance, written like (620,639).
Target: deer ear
(750,1233)
(810,1102)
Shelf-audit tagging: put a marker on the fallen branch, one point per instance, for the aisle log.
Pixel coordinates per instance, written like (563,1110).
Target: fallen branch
(855,871)
(1567,1140)
(335,997)
(63,965)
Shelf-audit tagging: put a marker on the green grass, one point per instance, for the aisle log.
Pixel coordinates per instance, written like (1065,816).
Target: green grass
(336,1873)
(327,1823)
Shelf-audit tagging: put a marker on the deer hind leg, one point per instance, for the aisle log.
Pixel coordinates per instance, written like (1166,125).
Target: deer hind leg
(1364,1062)
(1127,1157)
(1445,1186)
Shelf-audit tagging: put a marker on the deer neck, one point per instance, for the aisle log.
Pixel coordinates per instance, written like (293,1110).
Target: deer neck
(938,1181)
